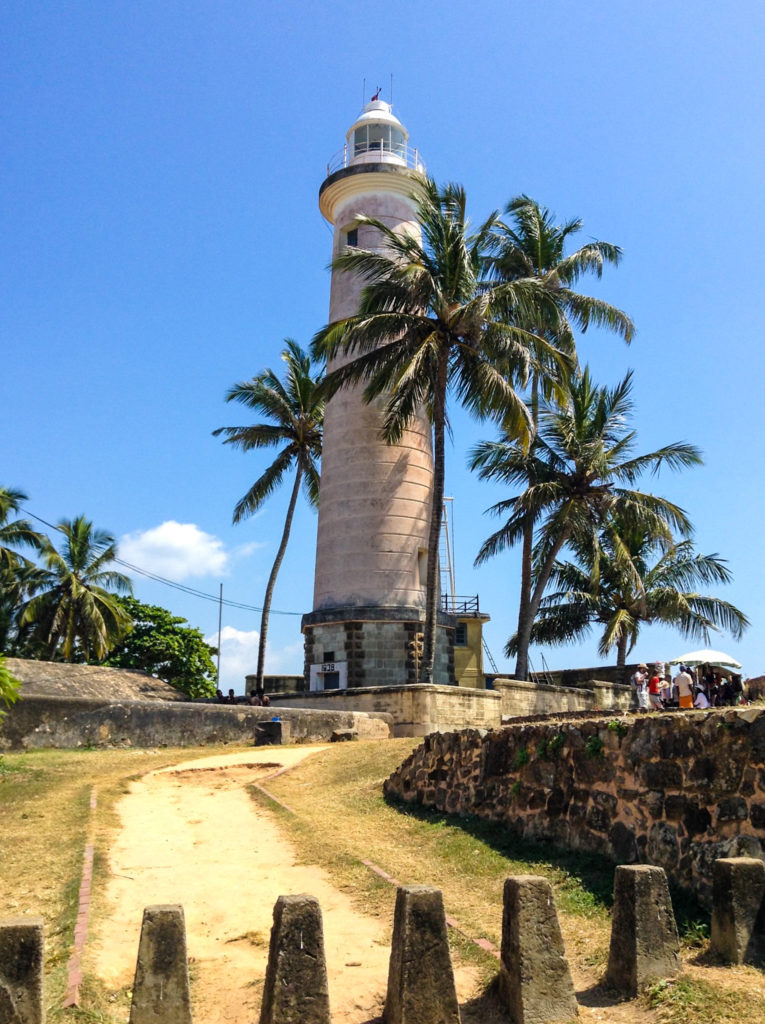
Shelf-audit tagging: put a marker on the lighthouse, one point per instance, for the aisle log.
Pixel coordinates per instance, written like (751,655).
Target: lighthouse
(374,503)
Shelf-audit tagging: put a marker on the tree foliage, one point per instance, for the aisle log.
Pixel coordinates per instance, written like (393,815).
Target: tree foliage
(9,686)
(294,411)
(428,326)
(75,615)
(165,646)
(626,578)
(584,471)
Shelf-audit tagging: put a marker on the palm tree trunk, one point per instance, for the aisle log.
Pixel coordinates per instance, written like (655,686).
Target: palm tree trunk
(621,651)
(524,628)
(436,514)
(272,578)
(524,621)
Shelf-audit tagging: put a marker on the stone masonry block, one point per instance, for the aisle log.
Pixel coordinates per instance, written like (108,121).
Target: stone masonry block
(644,942)
(296,989)
(420,978)
(21,971)
(738,910)
(161,986)
(535,981)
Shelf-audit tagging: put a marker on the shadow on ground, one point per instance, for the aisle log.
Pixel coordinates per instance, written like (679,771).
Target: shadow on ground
(593,872)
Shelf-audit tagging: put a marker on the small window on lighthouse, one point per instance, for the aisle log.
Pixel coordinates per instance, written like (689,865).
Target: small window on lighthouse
(352,237)
(422,566)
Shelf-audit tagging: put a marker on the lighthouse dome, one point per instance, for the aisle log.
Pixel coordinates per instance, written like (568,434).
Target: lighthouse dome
(377,136)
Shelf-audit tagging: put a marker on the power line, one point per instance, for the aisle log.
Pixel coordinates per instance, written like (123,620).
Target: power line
(174,584)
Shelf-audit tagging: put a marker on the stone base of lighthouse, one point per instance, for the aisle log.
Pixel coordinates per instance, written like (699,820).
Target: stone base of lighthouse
(370,646)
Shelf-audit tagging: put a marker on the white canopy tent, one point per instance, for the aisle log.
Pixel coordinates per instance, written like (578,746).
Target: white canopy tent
(716,659)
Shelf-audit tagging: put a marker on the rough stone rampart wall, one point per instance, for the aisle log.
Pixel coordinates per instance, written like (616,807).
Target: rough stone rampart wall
(57,722)
(677,790)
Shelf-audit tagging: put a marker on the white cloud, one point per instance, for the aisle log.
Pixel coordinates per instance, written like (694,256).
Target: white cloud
(239,656)
(176,550)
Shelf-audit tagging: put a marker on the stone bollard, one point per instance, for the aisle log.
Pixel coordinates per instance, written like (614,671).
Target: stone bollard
(161,986)
(420,977)
(296,990)
(535,982)
(21,971)
(644,942)
(738,910)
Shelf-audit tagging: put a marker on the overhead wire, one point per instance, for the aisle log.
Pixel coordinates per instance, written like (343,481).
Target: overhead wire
(174,584)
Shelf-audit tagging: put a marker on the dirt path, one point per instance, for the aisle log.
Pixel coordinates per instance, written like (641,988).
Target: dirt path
(192,835)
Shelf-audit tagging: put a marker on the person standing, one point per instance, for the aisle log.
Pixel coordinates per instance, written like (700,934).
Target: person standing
(684,685)
(654,691)
(640,684)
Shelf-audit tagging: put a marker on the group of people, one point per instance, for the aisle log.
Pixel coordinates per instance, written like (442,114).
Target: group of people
(654,690)
(257,698)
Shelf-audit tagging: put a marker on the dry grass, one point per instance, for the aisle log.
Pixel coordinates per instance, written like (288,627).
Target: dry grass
(45,820)
(341,821)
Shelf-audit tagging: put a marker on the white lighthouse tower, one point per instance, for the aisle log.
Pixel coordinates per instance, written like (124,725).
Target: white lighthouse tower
(374,506)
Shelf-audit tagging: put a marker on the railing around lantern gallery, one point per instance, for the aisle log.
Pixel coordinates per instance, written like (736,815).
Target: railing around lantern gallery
(460,605)
(376,152)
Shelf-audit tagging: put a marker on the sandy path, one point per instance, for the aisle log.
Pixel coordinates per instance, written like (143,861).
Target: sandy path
(192,835)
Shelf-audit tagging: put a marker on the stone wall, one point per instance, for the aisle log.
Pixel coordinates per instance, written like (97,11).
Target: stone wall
(415,710)
(520,698)
(37,722)
(677,790)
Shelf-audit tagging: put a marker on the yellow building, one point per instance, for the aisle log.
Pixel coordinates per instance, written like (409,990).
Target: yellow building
(468,640)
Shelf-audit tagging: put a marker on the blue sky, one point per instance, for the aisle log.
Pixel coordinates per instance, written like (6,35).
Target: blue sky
(160,237)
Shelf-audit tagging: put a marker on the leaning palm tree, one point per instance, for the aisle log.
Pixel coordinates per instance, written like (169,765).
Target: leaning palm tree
(580,463)
(426,324)
(295,409)
(530,244)
(626,580)
(77,614)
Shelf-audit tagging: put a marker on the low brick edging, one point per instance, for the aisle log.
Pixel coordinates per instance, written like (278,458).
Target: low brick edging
(675,790)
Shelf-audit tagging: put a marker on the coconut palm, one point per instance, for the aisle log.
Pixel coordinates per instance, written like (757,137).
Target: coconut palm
(580,463)
(77,614)
(530,244)
(628,579)
(17,573)
(295,409)
(425,325)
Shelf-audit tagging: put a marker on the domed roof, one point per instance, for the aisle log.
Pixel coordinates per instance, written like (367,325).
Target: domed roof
(377,112)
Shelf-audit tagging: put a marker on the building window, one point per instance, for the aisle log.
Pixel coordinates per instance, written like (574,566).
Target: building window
(329,656)
(352,237)
(460,635)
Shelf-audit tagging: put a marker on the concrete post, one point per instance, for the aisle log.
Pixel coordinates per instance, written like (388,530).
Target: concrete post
(420,977)
(644,942)
(738,910)
(161,986)
(296,989)
(535,980)
(21,971)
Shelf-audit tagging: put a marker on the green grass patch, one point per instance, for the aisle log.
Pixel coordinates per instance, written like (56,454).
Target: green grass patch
(695,1001)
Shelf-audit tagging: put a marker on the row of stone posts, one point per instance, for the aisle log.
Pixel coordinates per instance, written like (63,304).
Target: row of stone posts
(535,985)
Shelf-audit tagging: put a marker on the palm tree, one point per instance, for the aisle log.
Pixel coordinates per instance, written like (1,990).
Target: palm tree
(77,614)
(629,578)
(295,409)
(17,573)
(426,324)
(532,245)
(580,462)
